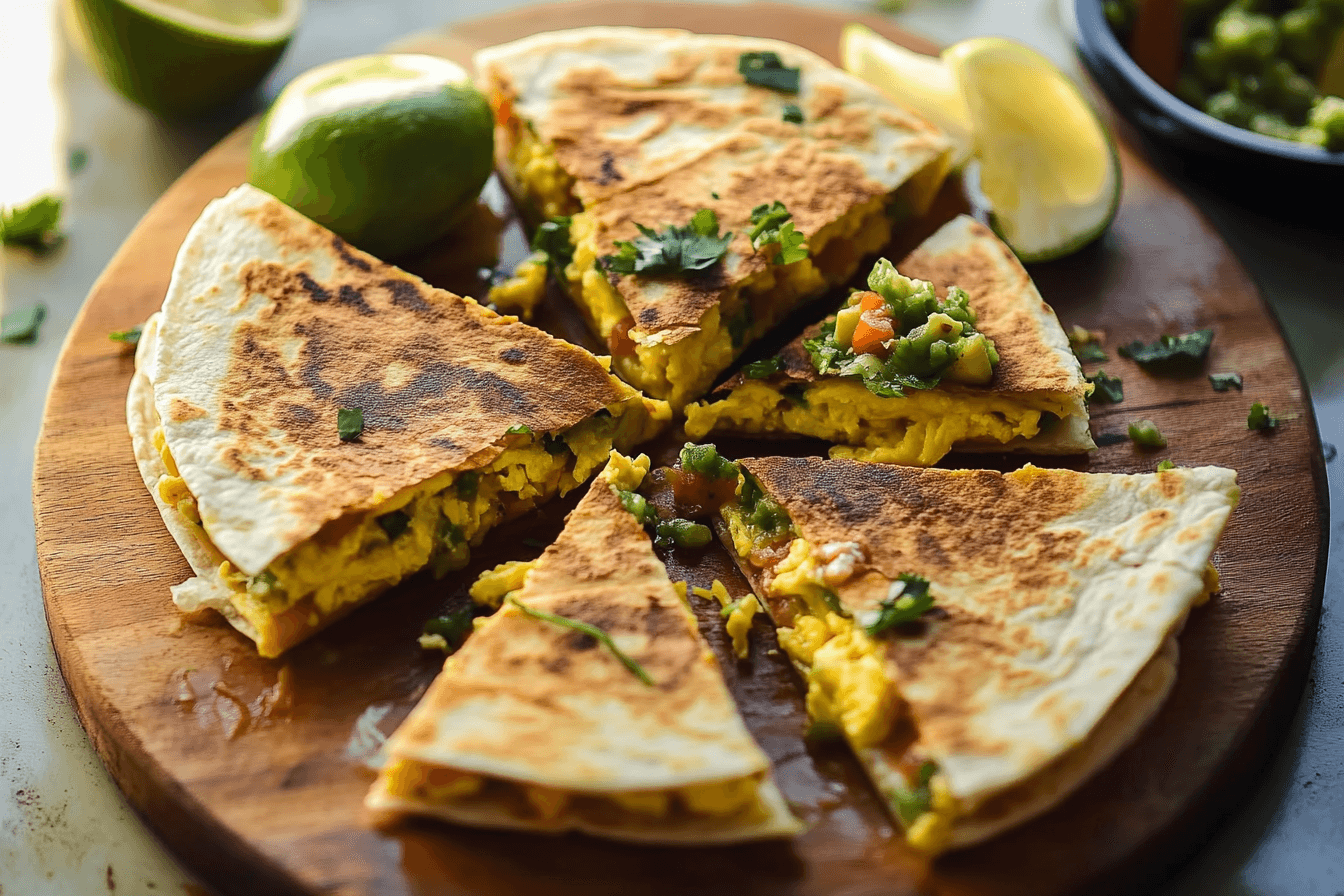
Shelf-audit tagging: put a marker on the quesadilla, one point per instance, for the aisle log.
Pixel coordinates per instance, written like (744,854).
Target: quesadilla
(532,725)
(985,642)
(315,425)
(1032,397)
(642,146)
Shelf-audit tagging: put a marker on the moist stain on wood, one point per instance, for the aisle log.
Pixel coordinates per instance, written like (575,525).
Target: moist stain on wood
(245,766)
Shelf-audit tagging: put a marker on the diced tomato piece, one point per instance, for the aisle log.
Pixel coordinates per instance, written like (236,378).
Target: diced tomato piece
(698,496)
(873,329)
(871,301)
(619,341)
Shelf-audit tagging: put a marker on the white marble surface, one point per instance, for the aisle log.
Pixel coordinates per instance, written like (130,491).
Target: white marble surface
(65,830)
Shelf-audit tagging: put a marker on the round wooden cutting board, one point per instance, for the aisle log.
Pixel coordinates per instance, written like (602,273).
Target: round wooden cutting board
(253,771)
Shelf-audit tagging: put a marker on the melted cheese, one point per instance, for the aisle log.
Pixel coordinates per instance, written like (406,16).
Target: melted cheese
(917,429)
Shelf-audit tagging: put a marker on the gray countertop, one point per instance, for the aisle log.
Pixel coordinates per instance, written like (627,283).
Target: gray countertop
(64,826)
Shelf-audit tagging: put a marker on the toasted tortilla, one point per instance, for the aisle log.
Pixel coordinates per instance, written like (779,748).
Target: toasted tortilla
(1034,352)
(650,124)
(1059,595)
(534,704)
(270,325)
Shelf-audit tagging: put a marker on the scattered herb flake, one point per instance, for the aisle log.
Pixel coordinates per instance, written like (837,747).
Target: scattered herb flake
(518,429)
(912,802)
(793,114)
(673,250)
(681,533)
(1170,353)
(1164,465)
(1090,353)
(350,423)
(77,160)
(20,327)
(1145,434)
(1107,388)
(1260,418)
(759,370)
(766,69)
(906,604)
(33,225)
(453,628)
(552,238)
(130,337)
(592,631)
(1221,382)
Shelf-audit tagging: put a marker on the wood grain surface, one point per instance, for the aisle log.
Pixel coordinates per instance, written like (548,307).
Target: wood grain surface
(252,771)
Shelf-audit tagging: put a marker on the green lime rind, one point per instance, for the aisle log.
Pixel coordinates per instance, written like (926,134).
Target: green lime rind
(1083,239)
(390,178)
(169,69)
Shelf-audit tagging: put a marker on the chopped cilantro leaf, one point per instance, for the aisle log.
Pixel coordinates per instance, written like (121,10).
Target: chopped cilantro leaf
(906,604)
(592,631)
(20,327)
(766,221)
(914,801)
(1090,353)
(1170,353)
(1145,434)
(1163,466)
(552,237)
(793,114)
(518,429)
(1221,382)
(130,336)
(673,250)
(1107,388)
(349,423)
(1260,418)
(766,69)
(453,627)
(791,245)
(32,225)
(759,370)
(394,523)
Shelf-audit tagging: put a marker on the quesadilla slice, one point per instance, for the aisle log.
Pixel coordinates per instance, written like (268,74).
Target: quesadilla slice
(316,425)
(1008,379)
(535,726)
(696,188)
(985,642)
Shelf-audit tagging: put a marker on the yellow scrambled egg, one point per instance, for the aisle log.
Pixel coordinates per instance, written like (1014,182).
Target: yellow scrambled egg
(523,291)
(739,614)
(491,587)
(682,370)
(355,557)
(917,429)
(410,779)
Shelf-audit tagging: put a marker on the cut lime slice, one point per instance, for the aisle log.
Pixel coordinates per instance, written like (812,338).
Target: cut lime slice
(921,83)
(182,57)
(1048,166)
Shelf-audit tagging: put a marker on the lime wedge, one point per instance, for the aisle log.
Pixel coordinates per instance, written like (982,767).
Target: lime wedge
(1048,166)
(921,83)
(182,57)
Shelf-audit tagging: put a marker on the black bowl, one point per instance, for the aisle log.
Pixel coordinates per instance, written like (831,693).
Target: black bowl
(1278,176)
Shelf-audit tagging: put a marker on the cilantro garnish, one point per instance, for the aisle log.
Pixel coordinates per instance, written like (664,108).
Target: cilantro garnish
(766,69)
(1164,465)
(590,630)
(20,327)
(518,429)
(793,114)
(453,628)
(914,801)
(394,523)
(759,370)
(350,423)
(552,237)
(1221,382)
(130,336)
(1260,418)
(1170,353)
(906,604)
(1145,434)
(673,250)
(772,224)
(1090,353)
(32,225)
(1107,388)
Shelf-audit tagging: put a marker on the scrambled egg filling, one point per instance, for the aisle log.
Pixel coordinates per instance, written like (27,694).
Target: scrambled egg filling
(680,370)
(523,291)
(434,524)
(739,614)
(490,589)
(410,779)
(917,429)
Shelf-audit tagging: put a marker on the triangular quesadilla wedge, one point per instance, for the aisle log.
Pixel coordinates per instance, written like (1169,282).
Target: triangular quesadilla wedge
(1031,398)
(315,425)
(985,642)
(614,129)
(534,726)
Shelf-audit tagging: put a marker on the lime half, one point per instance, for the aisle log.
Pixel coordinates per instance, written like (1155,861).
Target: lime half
(182,57)
(388,150)
(1048,166)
